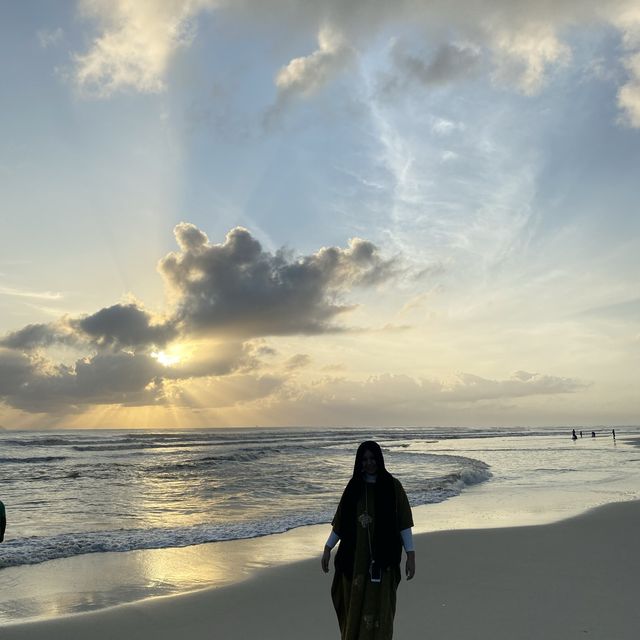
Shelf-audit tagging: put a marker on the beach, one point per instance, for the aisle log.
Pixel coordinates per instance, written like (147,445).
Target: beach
(269,269)
(211,520)
(575,578)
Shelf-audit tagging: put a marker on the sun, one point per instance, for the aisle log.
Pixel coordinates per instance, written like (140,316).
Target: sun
(165,358)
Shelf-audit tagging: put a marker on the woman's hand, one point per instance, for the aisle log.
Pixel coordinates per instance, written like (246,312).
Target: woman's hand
(410,567)
(326,556)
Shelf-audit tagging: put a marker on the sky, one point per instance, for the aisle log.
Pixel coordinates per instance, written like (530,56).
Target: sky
(329,213)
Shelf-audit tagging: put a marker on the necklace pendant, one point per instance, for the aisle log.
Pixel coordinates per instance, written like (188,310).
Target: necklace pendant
(365,520)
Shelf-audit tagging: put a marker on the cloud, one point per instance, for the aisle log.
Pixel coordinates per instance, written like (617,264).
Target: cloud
(627,20)
(35,336)
(15,371)
(298,361)
(213,359)
(225,298)
(136,43)
(401,399)
(50,37)
(39,295)
(523,57)
(470,388)
(444,127)
(450,62)
(124,325)
(463,388)
(306,75)
(33,384)
(237,289)
(629,93)
(116,327)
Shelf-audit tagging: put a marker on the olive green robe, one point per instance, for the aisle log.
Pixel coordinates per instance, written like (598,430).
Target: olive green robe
(366,609)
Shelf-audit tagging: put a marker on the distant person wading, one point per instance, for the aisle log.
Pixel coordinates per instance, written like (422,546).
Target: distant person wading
(373,522)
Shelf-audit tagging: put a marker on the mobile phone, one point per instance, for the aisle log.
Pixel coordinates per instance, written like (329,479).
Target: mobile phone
(375,572)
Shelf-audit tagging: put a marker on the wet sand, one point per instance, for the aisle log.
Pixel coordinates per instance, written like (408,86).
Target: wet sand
(577,578)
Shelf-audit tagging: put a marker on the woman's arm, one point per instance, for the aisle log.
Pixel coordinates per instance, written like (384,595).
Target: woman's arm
(410,566)
(407,543)
(407,539)
(332,540)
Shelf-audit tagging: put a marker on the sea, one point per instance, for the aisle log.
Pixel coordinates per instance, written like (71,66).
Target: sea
(72,493)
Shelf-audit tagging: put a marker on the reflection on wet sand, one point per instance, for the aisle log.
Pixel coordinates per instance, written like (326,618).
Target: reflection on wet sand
(96,581)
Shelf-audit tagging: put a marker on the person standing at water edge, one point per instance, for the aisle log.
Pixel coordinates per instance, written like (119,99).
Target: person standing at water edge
(373,522)
(3,521)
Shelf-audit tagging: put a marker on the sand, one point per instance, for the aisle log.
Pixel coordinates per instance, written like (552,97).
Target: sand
(573,579)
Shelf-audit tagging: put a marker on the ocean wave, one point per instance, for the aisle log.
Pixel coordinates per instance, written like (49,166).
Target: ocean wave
(36,459)
(240,455)
(41,549)
(554,471)
(35,550)
(131,445)
(439,489)
(34,442)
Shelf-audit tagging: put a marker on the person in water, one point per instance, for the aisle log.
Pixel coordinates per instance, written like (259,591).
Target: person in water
(3,521)
(372,523)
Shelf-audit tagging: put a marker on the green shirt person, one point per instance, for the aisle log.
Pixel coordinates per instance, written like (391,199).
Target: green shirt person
(3,521)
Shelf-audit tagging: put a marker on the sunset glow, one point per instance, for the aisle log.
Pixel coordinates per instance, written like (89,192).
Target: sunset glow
(165,359)
(353,215)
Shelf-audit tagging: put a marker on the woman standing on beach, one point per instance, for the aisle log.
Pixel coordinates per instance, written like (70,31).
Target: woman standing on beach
(373,522)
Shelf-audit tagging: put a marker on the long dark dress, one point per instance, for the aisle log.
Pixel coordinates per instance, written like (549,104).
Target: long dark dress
(366,609)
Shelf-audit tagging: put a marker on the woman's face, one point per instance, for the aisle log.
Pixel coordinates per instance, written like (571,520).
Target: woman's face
(369,464)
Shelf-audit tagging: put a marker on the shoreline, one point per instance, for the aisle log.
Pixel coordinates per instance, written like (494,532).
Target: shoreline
(562,580)
(95,581)
(91,583)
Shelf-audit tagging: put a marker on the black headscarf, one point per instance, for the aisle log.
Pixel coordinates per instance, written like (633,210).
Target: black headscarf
(386,541)
(374,448)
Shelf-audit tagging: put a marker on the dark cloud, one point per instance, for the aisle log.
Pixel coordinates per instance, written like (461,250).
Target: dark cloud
(124,325)
(34,336)
(237,288)
(35,385)
(15,370)
(117,327)
(449,63)
(223,295)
